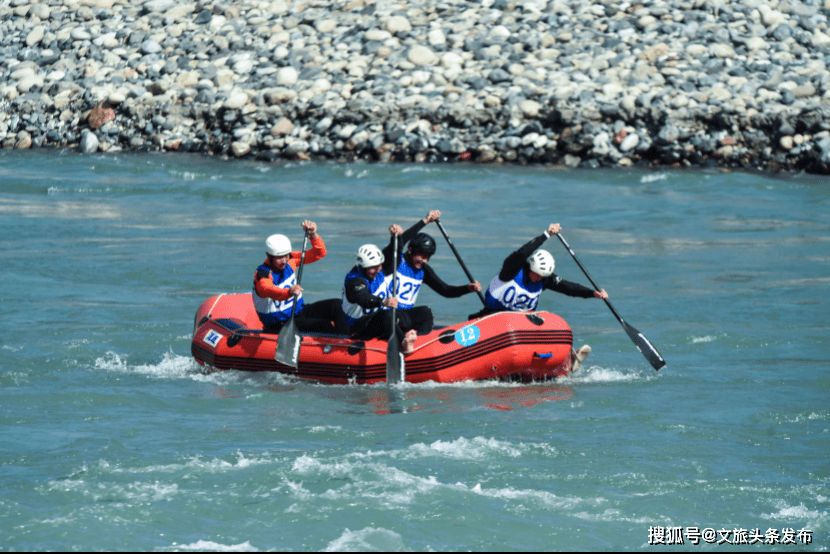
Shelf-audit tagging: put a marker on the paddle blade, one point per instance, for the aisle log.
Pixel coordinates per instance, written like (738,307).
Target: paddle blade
(288,345)
(645,347)
(394,362)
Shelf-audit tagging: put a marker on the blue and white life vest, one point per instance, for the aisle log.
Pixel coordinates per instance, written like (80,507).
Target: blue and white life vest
(272,311)
(516,295)
(376,286)
(409,283)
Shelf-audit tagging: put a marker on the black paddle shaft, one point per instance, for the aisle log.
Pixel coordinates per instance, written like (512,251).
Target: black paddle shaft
(588,275)
(289,339)
(395,367)
(640,341)
(460,261)
(394,292)
(300,273)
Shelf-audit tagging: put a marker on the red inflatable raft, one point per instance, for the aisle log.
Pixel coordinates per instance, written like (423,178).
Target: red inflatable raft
(228,335)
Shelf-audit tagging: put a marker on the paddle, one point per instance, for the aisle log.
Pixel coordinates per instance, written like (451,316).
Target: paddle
(395,367)
(640,341)
(289,339)
(460,261)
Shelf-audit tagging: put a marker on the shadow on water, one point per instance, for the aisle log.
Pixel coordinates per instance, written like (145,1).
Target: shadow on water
(436,399)
(429,397)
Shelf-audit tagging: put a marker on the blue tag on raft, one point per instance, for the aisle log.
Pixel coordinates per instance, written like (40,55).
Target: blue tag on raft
(213,338)
(467,336)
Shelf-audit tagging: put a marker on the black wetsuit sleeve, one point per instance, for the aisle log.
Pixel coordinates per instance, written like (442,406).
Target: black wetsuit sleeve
(404,238)
(568,288)
(515,261)
(435,283)
(357,292)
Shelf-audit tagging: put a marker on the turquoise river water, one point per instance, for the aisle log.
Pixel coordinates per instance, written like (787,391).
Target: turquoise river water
(114,439)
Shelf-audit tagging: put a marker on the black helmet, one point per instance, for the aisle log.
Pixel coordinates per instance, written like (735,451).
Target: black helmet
(423,244)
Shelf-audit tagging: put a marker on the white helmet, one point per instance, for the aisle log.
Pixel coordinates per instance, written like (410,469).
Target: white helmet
(541,262)
(369,255)
(278,245)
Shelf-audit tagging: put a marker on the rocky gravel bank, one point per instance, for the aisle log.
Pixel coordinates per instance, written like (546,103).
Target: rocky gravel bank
(574,83)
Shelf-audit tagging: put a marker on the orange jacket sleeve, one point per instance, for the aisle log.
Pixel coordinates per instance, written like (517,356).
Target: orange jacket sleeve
(266,288)
(315,253)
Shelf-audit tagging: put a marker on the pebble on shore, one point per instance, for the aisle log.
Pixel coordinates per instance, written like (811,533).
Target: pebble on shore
(574,84)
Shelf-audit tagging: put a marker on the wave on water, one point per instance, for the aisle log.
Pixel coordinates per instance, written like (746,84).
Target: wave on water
(172,366)
(324,428)
(186,175)
(210,546)
(13,379)
(654,178)
(477,448)
(536,498)
(350,172)
(367,540)
(197,464)
(300,483)
(53,191)
(378,482)
(136,492)
(611,515)
(810,518)
(596,374)
(800,417)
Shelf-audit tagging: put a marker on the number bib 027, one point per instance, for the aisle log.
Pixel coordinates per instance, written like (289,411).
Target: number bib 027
(407,292)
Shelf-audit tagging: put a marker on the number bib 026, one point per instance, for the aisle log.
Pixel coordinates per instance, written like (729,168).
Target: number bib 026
(513,295)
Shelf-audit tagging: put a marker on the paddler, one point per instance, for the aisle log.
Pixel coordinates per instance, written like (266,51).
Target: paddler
(524,275)
(413,270)
(365,295)
(275,283)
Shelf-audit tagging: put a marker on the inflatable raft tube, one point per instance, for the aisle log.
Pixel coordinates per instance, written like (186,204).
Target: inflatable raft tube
(507,345)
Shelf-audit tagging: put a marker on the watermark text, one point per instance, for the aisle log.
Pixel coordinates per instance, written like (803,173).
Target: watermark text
(696,535)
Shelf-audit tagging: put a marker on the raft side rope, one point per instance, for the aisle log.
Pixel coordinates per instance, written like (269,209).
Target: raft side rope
(465,325)
(215,302)
(274,338)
